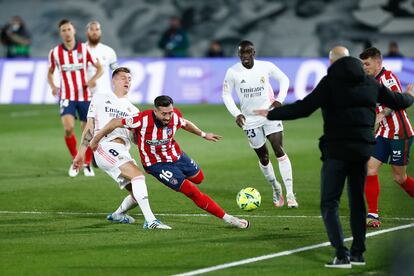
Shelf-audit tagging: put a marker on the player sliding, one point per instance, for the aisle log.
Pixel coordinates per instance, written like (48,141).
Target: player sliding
(162,157)
(112,154)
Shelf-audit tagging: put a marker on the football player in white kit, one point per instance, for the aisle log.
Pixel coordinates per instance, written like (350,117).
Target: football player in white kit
(250,79)
(106,56)
(112,154)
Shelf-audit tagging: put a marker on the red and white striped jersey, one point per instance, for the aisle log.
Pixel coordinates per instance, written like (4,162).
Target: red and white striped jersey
(156,142)
(396,125)
(72,66)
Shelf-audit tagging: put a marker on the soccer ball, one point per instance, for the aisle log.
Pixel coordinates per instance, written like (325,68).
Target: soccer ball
(248,199)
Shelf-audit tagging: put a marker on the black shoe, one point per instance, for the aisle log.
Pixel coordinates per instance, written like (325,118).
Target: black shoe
(94,162)
(339,263)
(357,260)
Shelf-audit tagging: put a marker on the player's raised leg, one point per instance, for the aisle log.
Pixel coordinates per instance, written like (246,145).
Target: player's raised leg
(206,203)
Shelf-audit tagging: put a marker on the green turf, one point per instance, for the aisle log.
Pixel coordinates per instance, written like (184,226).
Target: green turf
(79,241)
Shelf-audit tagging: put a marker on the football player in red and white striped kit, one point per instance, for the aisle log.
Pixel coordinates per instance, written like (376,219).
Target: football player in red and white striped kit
(162,157)
(394,137)
(71,58)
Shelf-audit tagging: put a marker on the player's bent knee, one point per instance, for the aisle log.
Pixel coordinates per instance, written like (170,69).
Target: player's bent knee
(198,178)
(400,179)
(69,131)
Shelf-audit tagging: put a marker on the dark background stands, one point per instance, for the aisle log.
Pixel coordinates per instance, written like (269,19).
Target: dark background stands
(16,38)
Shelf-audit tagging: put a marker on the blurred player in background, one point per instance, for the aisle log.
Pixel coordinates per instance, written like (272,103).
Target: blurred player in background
(72,58)
(394,137)
(250,78)
(162,157)
(112,155)
(106,56)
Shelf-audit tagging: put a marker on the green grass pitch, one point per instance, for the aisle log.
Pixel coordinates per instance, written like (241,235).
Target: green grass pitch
(51,224)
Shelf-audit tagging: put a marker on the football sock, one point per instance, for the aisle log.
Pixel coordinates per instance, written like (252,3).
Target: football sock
(127,204)
(285,169)
(88,156)
(372,190)
(71,144)
(198,178)
(269,174)
(140,192)
(408,186)
(201,200)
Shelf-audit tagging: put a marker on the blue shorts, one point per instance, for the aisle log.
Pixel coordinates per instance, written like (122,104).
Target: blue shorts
(70,107)
(173,174)
(394,152)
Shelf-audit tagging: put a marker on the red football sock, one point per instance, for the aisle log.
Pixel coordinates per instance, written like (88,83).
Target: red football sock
(201,200)
(71,144)
(88,156)
(408,186)
(372,190)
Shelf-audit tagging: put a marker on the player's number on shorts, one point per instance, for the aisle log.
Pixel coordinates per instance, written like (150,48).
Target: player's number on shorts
(113,152)
(166,175)
(250,133)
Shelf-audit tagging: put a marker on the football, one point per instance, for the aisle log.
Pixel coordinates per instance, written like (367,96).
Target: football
(248,199)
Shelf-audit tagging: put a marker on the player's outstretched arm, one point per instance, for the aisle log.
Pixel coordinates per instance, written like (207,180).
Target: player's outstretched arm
(87,136)
(108,128)
(191,127)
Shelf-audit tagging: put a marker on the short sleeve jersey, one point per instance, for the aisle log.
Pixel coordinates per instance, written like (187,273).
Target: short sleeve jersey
(156,141)
(396,125)
(108,60)
(105,107)
(72,65)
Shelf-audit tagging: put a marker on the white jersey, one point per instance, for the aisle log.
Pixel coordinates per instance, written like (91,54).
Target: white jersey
(253,90)
(108,60)
(105,107)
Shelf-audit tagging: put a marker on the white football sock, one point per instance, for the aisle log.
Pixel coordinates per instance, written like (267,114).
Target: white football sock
(127,204)
(269,174)
(285,169)
(140,192)
(227,218)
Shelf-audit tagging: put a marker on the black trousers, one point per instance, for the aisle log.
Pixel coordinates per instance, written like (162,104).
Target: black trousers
(333,175)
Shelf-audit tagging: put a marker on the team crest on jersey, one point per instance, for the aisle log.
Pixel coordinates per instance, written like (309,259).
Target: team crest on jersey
(390,82)
(80,56)
(129,121)
(262,80)
(169,131)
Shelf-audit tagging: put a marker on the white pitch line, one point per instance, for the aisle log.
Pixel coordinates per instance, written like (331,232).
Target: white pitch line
(283,253)
(174,215)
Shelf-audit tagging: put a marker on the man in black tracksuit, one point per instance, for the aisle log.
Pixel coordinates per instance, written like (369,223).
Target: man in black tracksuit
(347,97)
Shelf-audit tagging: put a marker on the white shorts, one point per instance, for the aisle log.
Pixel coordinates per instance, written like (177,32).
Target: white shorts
(257,136)
(109,156)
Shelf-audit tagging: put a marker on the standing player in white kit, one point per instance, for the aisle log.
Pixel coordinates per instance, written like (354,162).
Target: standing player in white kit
(106,56)
(112,154)
(250,78)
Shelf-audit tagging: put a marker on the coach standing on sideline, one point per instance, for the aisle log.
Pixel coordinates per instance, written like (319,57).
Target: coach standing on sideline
(347,97)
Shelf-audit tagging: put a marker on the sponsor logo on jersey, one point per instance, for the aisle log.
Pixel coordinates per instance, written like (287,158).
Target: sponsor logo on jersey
(71,67)
(252,89)
(108,102)
(115,112)
(243,81)
(157,142)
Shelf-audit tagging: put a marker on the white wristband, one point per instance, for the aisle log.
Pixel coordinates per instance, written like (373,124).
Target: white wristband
(203,134)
